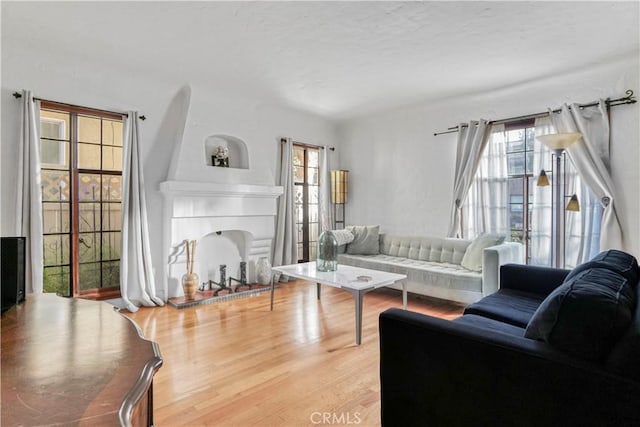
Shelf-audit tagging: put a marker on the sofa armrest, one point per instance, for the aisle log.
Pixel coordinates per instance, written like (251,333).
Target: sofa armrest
(495,256)
(436,372)
(530,278)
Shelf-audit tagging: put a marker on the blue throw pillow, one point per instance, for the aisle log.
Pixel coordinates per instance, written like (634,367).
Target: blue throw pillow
(615,260)
(586,315)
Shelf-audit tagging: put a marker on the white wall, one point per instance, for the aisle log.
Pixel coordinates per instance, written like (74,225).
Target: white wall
(401,175)
(212,110)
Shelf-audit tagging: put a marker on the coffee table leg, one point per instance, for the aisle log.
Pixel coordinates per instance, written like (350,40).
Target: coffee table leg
(358,297)
(318,285)
(272,291)
(404,294)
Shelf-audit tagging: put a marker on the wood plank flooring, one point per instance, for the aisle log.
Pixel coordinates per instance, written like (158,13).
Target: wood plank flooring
(236,363)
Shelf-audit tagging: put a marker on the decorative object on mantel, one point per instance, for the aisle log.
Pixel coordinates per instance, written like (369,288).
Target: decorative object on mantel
(263,270)
(190,280)
(220,156)
(327,252)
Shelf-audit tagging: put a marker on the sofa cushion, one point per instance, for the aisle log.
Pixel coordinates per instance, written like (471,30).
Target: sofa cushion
(491,324)
(435,249)
(507,305)
(440,274)
(624,356)
(365,240)
(472,259)
(618,261)
(586,315)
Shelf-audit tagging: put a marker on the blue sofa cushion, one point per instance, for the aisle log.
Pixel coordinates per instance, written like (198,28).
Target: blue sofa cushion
(621,262)
(507,305)
(586,315)
(491,324)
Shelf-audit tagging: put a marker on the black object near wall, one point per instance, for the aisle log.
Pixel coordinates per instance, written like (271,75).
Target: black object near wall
(12,271)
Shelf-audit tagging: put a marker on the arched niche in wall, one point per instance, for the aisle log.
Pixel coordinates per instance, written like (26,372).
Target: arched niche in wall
(238,154)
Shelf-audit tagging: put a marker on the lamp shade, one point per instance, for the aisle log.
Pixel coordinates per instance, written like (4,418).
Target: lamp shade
(559,141)
(543,179)
(339,186)
(574,204)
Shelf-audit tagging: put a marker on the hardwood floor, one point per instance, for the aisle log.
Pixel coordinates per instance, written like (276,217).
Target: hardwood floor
(235,363)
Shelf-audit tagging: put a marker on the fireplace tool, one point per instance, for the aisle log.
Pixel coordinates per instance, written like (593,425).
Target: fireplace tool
(222,285)
(243,278)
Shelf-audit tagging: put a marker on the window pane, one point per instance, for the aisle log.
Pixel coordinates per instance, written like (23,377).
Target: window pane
(530,137)
(111,274)
(89,276)
(112,158)
(313,158)
(298,156)
(313,194)
(313,231)
(111,246)
(89,247)
(88,156)
(312,176)
(56,280)
(112,132)
(54,154)
(89,216)
(111,216)
(299,214)
(55,217)
(56,249)
(515,164)
(312,252)
(515,186)
(112,188)
(55,185)
(54,125)
(515,140)
(313,213)
(89,189)
(300,232)
(298,174)
(89,129)
(529,157)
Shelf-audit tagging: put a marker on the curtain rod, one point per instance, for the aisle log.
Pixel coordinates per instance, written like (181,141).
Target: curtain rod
(321,147)
(629,99)
(18,95)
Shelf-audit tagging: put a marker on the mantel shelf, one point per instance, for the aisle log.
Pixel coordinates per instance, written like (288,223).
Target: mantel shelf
(206,189)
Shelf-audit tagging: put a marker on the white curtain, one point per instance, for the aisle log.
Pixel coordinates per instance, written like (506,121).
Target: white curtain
(582,229)
(485,209)
(29,201)
(137,284)
(590,158)
(285,250)
(472,139)
(326,214)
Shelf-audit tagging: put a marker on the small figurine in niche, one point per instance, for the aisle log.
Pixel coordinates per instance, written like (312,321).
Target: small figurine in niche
(220,156)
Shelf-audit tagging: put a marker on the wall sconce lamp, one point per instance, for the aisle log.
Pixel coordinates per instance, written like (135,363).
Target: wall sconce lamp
(558,142)
(339,191)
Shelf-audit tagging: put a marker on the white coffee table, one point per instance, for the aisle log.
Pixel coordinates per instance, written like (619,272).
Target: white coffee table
(358,281)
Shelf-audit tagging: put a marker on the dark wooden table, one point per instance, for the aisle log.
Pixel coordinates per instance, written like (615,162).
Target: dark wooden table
(70,361)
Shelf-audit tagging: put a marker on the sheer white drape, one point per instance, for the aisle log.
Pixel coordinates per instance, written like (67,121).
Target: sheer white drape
(326,214)
(137,284)
(590,158)
(29,202)
(582,229)
(472,139)
(485,209)
(285,250)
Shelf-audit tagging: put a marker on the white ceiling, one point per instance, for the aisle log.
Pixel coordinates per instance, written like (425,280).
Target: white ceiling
(335,59)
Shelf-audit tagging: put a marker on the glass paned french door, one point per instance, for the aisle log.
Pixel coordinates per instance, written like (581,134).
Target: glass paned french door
(81,169)
(306,188)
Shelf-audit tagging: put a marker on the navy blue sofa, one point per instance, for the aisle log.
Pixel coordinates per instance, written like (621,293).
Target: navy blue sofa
(551,348)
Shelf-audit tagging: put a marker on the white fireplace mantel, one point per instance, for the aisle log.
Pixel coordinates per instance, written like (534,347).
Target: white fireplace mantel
(194,210)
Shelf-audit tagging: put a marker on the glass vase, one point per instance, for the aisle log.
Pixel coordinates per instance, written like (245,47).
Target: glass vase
(263,271)
(327,252)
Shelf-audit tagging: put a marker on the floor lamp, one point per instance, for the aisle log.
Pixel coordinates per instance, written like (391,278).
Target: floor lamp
(339,190)
(558,142)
